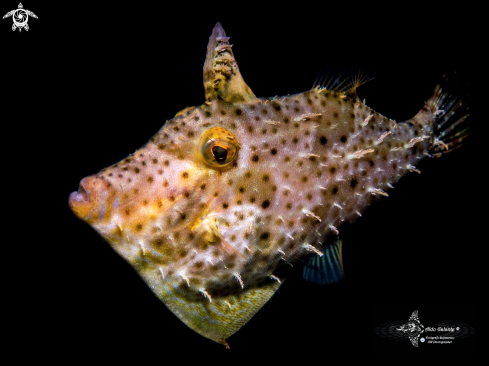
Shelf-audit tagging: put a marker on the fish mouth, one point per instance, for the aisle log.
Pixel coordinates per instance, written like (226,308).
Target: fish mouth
(80,201)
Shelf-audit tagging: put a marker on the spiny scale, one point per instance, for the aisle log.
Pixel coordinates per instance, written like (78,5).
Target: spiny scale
(207,238)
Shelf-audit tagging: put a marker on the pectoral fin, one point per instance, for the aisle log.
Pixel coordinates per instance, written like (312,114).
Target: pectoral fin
(222,78)
(213,315)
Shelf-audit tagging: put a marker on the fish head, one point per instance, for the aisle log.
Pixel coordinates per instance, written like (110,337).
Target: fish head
(189,201)
(194,211)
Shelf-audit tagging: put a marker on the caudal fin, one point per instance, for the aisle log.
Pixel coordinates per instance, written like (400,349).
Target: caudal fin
(450,111)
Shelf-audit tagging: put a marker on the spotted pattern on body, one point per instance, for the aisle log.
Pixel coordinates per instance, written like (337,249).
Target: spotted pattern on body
(208,237)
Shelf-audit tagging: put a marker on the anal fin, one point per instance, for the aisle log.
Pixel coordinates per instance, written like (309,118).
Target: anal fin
(325,269)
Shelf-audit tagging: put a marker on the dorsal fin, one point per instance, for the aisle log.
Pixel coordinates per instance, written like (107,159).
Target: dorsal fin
(346,82)
(356,79)
(221,73)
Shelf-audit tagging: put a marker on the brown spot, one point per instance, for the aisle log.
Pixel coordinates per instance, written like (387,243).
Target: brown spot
(182,253)
(265,235)
(265,204)
(136,170)
(225,205)
(254,158)
(185,175)
(239,112)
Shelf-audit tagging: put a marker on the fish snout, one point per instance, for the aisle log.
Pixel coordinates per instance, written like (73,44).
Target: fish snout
(82,201)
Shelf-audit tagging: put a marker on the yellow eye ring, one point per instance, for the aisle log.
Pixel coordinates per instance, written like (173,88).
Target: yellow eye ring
(218,147)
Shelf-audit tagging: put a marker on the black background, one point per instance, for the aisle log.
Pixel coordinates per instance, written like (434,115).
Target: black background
(89,84)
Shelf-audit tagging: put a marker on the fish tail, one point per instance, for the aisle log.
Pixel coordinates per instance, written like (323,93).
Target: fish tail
(444,116)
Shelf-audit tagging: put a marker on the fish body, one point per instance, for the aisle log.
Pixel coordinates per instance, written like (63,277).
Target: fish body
(229,191)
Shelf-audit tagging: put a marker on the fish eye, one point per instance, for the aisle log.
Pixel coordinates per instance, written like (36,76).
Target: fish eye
(218,147)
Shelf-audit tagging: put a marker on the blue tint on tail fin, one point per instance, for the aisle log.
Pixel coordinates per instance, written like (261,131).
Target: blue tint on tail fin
(326,269)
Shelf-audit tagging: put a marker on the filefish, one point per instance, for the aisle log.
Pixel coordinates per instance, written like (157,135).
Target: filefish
(229,192)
